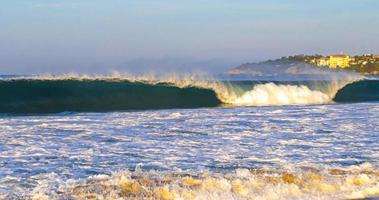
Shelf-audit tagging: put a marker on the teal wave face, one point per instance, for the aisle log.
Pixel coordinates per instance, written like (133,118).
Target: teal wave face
(53,96)
(361,91)
(39,96)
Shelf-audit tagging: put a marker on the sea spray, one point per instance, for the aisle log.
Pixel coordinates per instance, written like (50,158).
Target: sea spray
(271,94)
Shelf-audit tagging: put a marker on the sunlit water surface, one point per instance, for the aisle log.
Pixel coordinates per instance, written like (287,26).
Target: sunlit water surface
(43,154)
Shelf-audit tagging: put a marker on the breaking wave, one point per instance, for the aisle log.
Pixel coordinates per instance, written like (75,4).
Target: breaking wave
(25,95)
(273,94)
(355,182)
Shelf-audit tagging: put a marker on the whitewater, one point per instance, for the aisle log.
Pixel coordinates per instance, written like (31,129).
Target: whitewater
(275,152)
(75,137)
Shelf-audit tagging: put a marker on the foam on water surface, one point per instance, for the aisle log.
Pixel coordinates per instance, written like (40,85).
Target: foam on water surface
(356,182)
(243,152)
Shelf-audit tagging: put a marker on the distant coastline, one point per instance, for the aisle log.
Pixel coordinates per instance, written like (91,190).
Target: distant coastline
(367,64)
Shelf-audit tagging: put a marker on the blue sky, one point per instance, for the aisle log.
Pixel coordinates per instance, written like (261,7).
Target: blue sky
(97,36)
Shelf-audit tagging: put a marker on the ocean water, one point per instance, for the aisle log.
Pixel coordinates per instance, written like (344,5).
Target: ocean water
(319,149)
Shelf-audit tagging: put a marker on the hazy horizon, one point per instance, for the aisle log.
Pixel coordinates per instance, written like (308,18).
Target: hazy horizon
(83,36)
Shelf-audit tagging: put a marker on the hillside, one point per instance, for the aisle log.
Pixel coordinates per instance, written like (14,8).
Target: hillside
(284,68)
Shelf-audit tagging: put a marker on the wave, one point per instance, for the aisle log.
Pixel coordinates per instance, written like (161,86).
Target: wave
(355,182)
(361,91)
(51,96)
(25,95)
(273,94)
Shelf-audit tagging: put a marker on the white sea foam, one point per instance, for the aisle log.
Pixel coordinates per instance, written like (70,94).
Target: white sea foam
(53,155)
(272,94)
(265,183)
